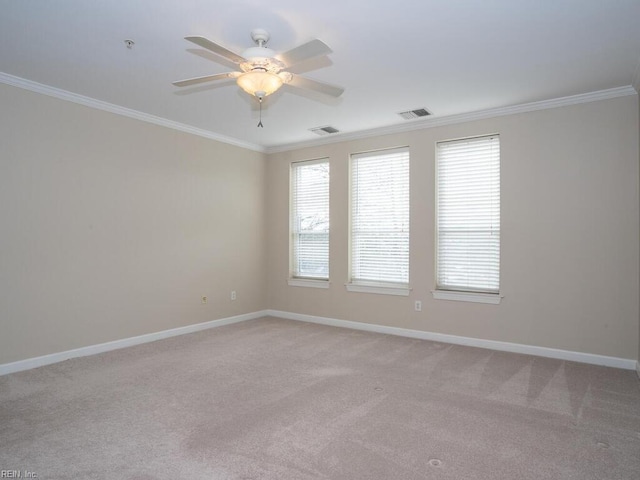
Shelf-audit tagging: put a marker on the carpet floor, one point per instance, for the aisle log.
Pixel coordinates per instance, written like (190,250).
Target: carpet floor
(278,399)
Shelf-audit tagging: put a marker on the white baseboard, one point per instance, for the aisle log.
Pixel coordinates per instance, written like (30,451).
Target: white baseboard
(581,357)
(125,342)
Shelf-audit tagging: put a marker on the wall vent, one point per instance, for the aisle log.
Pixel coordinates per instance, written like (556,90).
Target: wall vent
(418,112)
(324,130)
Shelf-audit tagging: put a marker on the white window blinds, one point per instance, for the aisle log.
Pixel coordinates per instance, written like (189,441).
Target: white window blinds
(310,220)
(380,217)
(468,215)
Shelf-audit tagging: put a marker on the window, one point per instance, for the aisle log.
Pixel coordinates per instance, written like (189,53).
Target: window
(380,222)
(310,221)
(468,217)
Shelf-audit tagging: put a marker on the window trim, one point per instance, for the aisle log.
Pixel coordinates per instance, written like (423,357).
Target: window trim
(367,286)
(308,282)
(379,289)
(474,297)
(470,295)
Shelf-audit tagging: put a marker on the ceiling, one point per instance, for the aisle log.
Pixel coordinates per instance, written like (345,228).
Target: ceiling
(450,57)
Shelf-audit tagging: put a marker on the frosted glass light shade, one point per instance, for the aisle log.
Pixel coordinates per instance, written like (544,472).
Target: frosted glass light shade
(259,82)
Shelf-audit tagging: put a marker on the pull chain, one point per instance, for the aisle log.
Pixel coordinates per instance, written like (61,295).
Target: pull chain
(260,122)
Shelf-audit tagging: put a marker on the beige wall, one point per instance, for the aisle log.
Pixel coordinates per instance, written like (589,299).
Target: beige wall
(112,228)
(570,222)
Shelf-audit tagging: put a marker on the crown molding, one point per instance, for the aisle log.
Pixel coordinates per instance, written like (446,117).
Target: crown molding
(19,82)
(463,117)
(118,110)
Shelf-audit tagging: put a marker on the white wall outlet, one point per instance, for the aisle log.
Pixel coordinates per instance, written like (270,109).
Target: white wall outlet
(233,295)
(418,306)
(204,300)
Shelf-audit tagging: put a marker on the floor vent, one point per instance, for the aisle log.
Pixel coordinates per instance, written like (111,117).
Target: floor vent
(324,130)
(418,112)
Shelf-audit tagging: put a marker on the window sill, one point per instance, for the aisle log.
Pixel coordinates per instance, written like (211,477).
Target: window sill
(492,298)
(378,289)
(308,282)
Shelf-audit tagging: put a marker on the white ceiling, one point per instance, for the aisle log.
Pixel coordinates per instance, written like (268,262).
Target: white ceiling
(450,56)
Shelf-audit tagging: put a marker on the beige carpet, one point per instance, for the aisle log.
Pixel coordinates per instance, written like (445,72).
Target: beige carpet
(277,399)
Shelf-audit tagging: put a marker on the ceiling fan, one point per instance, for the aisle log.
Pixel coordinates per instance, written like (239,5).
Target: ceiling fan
(262,71)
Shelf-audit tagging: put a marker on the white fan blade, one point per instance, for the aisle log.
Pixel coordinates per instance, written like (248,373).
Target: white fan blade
(212,57)
(215,48)
(315,85)
(207,78)
(306,51)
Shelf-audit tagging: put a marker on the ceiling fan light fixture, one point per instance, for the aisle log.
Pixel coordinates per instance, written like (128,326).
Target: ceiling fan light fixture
(262,72)
(285,76)
(270,65)
(261,82)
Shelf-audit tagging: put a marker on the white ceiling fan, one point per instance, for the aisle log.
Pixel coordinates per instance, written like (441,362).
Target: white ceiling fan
(262,71)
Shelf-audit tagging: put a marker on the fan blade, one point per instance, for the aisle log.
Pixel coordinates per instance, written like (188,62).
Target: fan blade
(207,78)
(212,57)
(215,48)
(306,51)
(315,85)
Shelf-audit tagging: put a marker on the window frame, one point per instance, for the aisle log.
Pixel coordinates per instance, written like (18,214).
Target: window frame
(295,279)
(459,292)
(377,286)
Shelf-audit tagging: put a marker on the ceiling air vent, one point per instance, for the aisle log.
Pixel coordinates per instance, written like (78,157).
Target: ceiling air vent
(324,130)
(411,114)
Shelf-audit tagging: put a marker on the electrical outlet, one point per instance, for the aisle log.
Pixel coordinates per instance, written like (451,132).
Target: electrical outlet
(418,306)
(204,300)
(233,295)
